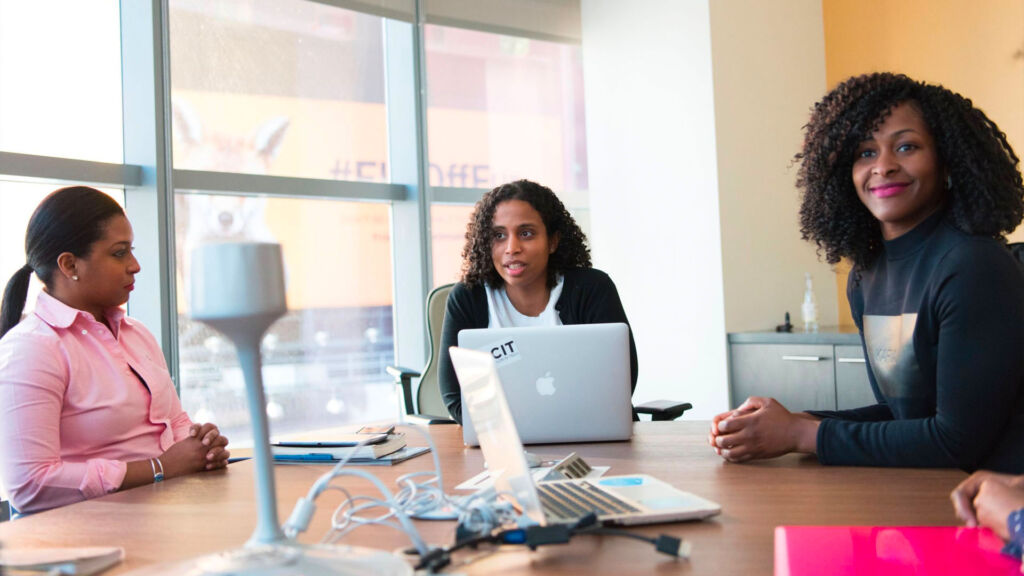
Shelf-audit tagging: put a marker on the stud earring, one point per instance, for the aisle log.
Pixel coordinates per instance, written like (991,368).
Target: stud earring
(74,277)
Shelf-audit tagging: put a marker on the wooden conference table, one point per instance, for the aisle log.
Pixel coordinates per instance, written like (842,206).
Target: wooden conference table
(186,517)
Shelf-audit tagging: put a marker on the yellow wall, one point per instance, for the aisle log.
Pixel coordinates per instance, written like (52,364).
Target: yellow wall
(974,48)
(768,72)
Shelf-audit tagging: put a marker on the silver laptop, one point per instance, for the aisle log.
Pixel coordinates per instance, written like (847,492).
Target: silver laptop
(632,499)
(563,383)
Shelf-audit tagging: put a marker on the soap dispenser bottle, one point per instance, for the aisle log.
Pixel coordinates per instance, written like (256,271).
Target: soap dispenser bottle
(809,309)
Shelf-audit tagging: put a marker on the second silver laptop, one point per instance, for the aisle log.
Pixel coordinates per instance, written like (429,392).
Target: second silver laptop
(563,383)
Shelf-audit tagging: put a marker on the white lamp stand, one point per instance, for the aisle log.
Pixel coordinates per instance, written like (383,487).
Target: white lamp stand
(238,288)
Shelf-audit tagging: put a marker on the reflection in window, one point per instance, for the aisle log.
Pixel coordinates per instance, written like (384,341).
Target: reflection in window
(281,87)
(324,360)
(447,238)
(500,108)
(287,88)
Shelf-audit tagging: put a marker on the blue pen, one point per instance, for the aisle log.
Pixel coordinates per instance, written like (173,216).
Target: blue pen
(311,457)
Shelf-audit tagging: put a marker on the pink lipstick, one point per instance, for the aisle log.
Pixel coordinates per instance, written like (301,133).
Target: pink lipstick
(887,190)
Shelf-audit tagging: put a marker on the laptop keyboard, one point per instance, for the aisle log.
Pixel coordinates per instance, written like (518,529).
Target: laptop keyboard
(572,466)
(563,501)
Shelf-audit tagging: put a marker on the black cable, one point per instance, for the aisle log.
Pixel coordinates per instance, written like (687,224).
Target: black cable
(535,536)
(617,532)
(663,543)
(438,558)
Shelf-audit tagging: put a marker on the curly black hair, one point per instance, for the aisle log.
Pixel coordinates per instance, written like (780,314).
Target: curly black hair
(572,252)
(986,197)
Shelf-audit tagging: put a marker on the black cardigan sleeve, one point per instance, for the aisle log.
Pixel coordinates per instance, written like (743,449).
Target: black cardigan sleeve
(595,300)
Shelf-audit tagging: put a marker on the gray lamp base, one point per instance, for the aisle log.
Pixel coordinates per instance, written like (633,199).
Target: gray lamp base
(238,289)
(289,560)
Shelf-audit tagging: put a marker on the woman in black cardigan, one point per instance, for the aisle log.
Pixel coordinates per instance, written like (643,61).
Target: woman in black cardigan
(525,263)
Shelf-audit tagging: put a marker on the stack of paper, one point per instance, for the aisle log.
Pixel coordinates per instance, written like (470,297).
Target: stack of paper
(390,451)
(77,561)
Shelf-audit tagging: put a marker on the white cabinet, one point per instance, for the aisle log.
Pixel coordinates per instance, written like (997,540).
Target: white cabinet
(815,371)
(852,387)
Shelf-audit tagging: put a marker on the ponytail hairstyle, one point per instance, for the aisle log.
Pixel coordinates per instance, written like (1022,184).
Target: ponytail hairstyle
(68,220)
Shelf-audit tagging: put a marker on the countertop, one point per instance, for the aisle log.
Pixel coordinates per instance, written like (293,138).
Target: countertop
(826,335)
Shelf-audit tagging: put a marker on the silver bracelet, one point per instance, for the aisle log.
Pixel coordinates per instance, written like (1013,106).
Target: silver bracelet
(157,476)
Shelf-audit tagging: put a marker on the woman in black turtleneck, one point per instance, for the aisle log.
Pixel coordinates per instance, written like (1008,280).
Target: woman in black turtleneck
(917,188)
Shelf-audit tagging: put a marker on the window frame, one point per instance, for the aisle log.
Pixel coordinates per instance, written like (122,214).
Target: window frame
(150,181)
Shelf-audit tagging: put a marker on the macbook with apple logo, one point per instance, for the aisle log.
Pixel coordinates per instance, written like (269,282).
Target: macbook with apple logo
(563,383)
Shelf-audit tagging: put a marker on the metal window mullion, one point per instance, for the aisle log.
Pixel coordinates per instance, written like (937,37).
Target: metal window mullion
(492,28)
(454,195)
(410,218)
(247,184)
(382,9)
(53,169)
(145,87)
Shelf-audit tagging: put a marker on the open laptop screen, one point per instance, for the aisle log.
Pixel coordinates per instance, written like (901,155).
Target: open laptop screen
(483,403)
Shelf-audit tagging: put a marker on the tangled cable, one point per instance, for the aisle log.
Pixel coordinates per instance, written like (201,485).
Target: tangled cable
(418,493)
(484,516)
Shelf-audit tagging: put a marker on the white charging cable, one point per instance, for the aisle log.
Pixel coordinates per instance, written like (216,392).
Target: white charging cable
(411,499)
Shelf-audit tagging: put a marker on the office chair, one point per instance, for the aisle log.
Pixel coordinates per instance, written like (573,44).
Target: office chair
(1017,249)
(428,405)
(662,410)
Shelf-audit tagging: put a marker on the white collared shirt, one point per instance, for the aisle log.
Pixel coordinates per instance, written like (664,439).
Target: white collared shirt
(73,412)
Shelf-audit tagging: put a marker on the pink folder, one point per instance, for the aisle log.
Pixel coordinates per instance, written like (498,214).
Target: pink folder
(884,551)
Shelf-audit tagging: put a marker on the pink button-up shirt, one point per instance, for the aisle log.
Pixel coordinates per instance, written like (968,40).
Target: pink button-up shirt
(72,413)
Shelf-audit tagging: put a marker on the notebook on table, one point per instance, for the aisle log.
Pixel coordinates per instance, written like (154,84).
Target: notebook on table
(632,499)
(357,445)
(886,550)
(563,383)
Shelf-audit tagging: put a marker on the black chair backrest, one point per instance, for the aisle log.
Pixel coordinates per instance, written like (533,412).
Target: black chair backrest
(1017,249)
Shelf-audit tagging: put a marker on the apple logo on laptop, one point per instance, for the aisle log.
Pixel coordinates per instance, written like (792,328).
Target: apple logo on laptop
(546,384)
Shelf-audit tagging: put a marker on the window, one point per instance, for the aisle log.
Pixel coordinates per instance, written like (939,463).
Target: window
(501,108)
(323,362)
(278,87)
(285,116)
(287,88)
(60,79)
(447,238)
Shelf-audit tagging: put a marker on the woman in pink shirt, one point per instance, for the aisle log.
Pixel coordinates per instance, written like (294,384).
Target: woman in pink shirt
(87,405)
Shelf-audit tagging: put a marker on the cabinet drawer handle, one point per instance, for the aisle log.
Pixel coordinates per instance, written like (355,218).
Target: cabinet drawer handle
(852,360)
(803,358)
